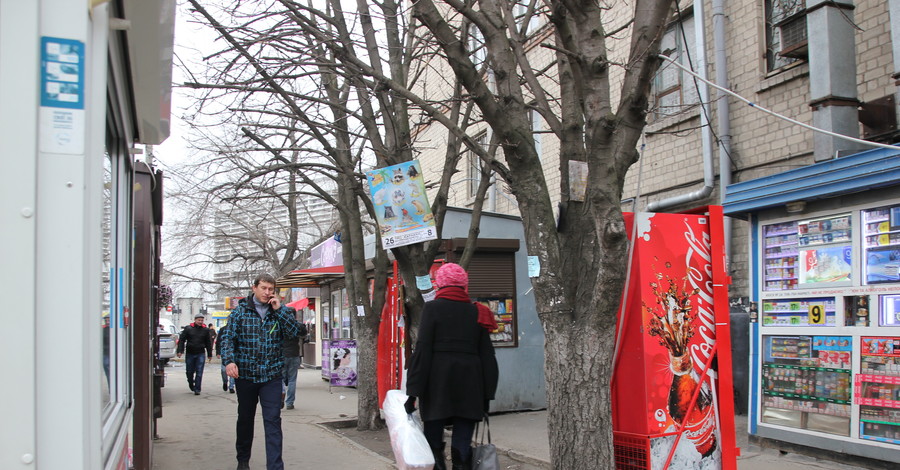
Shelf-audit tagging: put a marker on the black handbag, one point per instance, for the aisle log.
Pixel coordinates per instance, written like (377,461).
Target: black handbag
(484,456)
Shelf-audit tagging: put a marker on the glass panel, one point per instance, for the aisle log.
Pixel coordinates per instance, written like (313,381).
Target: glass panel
(776,12)
(505,315)
(825,252)
(879,389)
(806,382)
(882,244)
(346,328)
(780,245)
(336,314)
(106,280)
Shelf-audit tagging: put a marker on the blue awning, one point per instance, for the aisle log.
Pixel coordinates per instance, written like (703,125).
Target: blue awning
(871,169)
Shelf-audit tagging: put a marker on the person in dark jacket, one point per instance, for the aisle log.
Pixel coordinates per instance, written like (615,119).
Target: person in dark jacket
(453,372)
(293,353)
(252,354)
(194,340)
(227,382)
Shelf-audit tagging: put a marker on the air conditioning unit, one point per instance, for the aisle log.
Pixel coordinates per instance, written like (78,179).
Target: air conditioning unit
(794,39)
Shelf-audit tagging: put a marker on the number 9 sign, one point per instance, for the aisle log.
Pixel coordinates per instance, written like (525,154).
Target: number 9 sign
(816,314)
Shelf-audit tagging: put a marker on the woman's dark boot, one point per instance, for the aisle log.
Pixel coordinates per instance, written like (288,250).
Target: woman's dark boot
(439,460)
(458,462)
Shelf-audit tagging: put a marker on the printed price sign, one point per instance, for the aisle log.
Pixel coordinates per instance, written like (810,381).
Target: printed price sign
(817,314)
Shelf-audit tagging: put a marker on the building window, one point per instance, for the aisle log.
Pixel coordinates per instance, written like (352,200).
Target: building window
(673,90)
(520,12)
(473,166)
(786,37)
(477,49)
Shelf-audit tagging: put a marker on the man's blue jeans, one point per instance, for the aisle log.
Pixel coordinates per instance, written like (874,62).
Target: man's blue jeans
(268,394)
(226,380)
(193,366)
(291,364)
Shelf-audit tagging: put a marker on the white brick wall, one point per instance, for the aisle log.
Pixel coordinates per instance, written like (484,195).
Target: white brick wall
(761,145)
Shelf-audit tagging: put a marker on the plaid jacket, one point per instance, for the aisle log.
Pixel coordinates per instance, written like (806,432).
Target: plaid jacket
(254,344)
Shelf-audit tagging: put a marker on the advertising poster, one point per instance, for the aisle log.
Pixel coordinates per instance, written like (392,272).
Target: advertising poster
(343,363)
(401,204)
(826,264)
(883,264)
(672,296)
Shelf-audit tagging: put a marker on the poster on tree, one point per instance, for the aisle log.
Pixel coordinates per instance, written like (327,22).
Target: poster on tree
(401,204)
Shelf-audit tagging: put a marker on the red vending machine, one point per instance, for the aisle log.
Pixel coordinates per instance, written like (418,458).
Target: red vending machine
(672,392)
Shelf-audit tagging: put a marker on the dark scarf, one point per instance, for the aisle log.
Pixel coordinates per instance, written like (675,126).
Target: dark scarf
(459,294)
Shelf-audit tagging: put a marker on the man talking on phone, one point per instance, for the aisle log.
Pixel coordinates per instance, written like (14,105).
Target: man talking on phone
(251,352)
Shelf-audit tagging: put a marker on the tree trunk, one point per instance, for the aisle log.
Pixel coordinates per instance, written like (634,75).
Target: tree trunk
(577,366)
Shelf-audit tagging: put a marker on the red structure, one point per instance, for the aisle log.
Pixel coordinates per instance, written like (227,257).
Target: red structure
(673,405)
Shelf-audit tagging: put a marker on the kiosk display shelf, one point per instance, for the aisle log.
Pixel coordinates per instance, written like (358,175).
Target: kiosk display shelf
(808,253)
(881,243)
(877,389)
(816,311)
(503,309)
(781,256)
(806,382)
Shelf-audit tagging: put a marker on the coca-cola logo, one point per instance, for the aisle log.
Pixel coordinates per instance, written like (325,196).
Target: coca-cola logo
(698,260)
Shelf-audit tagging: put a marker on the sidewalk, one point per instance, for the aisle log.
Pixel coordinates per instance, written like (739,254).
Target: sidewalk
(200,430)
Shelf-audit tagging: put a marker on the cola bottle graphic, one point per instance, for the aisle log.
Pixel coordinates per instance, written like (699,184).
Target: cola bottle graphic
(700,425)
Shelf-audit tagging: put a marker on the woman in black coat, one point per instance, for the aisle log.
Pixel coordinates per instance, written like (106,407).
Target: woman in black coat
(453,371)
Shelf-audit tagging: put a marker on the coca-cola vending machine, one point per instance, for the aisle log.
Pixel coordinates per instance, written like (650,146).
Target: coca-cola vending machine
(673,403)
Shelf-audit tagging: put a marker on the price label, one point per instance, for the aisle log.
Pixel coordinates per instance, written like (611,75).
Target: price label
(817,314)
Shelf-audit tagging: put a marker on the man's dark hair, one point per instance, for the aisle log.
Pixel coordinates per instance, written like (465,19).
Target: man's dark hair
(263,278)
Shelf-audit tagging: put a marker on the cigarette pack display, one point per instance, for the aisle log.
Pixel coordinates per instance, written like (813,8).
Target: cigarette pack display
(809,375)
(877,389)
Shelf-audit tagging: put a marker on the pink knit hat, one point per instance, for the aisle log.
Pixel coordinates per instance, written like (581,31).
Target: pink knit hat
(451,274)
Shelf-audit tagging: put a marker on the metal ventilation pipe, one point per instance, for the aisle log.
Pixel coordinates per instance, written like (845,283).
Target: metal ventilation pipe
(723,114)
(832,79)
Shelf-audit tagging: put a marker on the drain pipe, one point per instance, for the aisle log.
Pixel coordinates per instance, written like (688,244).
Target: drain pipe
(706,135)
(723,116)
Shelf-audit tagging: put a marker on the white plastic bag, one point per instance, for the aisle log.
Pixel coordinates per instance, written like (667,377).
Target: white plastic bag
(407,439)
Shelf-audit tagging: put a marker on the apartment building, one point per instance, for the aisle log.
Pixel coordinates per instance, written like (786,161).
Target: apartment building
(249,235)
(815,219)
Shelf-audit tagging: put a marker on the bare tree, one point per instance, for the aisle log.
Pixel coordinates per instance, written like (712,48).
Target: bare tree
(300,84)
(582,273)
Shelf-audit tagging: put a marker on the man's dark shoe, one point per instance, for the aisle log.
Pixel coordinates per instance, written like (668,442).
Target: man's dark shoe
(224,386)
(196,392)
(290,407)
(230,390)
(243,466)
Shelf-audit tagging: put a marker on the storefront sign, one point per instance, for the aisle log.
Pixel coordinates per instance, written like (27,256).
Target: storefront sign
(62,96)
(401,204)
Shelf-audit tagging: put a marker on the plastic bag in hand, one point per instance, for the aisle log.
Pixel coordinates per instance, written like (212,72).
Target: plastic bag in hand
(407,439)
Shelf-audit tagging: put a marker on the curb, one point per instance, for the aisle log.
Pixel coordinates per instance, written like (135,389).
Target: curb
(526,459)
(333,426)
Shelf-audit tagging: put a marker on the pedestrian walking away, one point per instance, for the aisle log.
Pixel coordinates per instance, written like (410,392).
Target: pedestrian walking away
(212,333)
(194,342)
(293,354)
(227,382)
(453,371)
(252,354)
